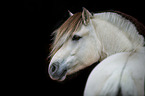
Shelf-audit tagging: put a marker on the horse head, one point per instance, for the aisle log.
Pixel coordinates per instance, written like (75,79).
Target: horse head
(75,46)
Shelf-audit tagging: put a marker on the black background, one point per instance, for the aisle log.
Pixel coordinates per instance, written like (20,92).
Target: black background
(41,18)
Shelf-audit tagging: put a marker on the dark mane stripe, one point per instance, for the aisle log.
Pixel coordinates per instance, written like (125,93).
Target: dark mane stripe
(140,27)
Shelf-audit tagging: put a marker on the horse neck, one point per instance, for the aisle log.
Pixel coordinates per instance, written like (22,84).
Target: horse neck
(113,40)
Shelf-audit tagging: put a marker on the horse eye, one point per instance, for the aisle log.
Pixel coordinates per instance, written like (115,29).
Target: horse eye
(76,38)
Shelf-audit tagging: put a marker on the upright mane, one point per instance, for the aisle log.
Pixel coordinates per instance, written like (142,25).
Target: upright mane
(62,34)
(139,26)
(126,26)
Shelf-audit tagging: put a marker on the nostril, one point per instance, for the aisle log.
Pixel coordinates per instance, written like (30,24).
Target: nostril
(53,68)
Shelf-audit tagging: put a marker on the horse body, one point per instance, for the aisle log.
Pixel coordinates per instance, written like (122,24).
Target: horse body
(107,37)
(123,71)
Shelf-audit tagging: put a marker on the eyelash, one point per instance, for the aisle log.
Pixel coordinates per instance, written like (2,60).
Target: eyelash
(76,38)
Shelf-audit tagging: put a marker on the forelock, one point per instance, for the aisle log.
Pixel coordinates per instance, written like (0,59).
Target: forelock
(63,33)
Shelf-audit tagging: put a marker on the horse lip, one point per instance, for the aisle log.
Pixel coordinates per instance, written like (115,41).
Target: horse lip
(62,75)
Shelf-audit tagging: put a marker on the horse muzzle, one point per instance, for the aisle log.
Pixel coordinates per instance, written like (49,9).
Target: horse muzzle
(57,72)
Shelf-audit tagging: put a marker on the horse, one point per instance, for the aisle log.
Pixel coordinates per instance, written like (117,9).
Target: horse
(108,37)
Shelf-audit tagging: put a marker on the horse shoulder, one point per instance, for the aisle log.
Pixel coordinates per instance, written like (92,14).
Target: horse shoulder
(105,77)
(104,74)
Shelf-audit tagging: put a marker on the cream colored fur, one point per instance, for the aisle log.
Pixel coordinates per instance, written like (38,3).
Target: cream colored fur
(114,41)
(124,63)
(108,77)
(116,33)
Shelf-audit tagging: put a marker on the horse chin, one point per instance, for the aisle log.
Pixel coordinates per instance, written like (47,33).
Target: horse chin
(62,78)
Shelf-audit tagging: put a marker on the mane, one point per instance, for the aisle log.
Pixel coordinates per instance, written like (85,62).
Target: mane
(139,26)
(125,25)
(63,33)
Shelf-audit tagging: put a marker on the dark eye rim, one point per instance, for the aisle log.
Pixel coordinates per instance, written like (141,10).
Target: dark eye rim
(76,37)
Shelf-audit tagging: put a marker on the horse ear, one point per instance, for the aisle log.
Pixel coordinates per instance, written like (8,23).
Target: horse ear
(86,15)
(70,13)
